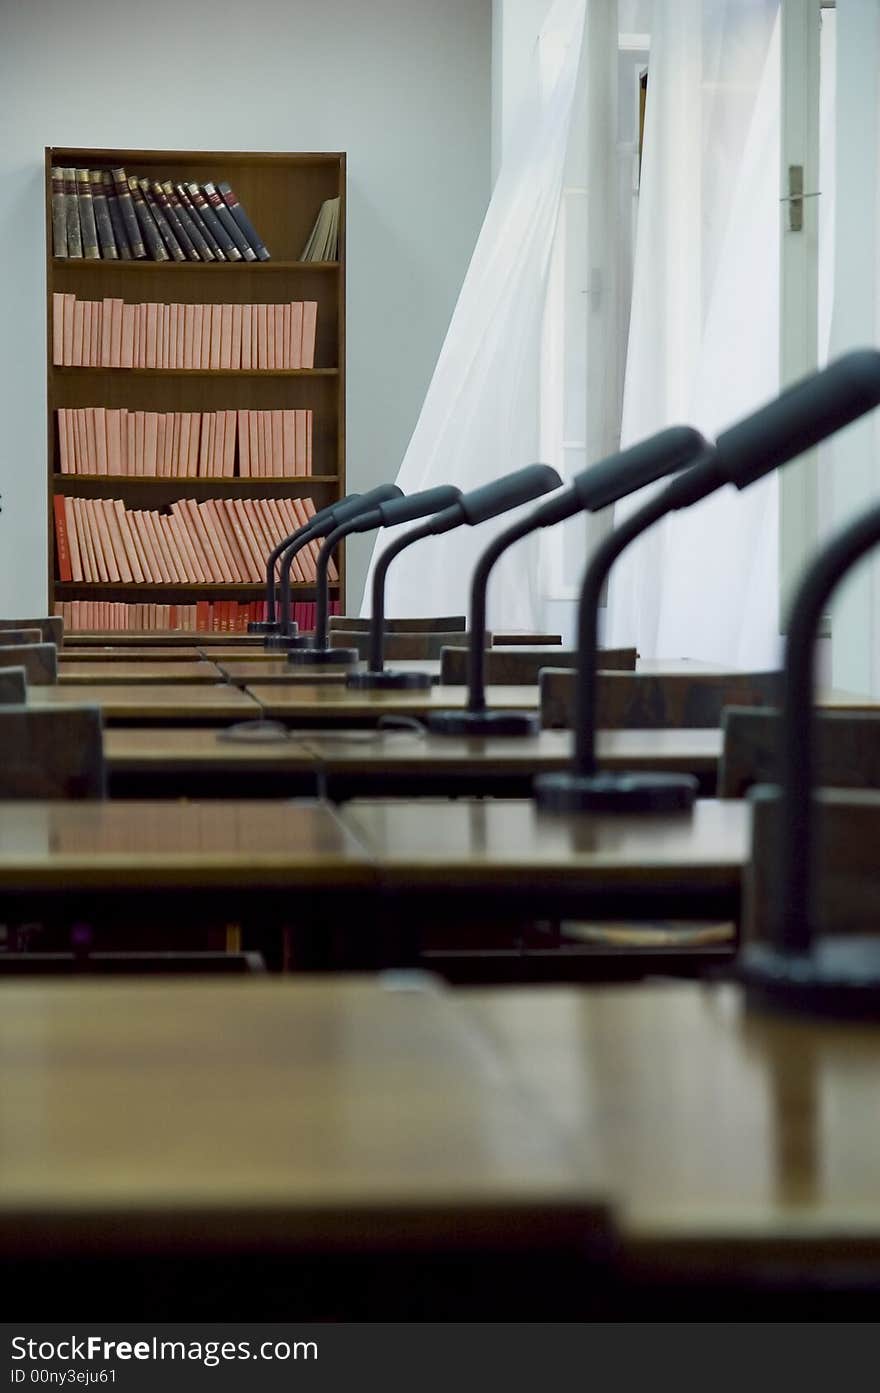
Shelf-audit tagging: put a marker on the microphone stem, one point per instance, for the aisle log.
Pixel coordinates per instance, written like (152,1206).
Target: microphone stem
(271,561)
(479,586)
(322,585)
(792,925)
(286,565)
(601,562)
(376,661)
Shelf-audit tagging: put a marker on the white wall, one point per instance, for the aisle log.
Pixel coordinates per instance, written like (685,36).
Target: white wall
(402,85)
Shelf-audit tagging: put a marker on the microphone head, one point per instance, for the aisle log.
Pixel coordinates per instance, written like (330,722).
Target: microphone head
(801,416)
(419,505)
(619,475)
(362,503)
(507,492)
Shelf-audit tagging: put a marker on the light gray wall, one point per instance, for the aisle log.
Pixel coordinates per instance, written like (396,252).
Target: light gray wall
(404,86)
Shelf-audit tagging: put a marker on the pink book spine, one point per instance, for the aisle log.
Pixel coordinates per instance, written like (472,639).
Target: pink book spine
(235,350)
(128,520)
(189,314)
(77,436)
(161,427)
(141,338)
(91,440)
(57,328)
(152,360)
(160,549)
(278,333)
(214,343)
(309,419)
(127,425)
(130,545)
(224,563)
(151,440)
(86,356)
(65,463)
(99,417)
(67,329)
(284,357)
(97,333)
(126,337)
(247,316)
(277,430)
(166,541)
(86,548)
(262,337)
(203,446)
(225,336)
(182,444)
(198,331)
(229,445)
(229,522)
(114,360)
(244,445)
(300,446)
(254,453)
(98,523)
(120,556)
(296,332)
(246,536)
(77,350)
(310,326)
(193,551)
(174,336)
(195,429)
(205,350)
(172,445)
(259,519)
(104,356)
(73,543)
(141,530)
(290,460)
(139,439)
(219,442)
(114,464)
(182,547)
(270,337)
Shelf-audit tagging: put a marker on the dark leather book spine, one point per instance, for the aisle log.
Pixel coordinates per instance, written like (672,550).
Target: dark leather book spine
(232,228)
(74,235)
(116,223)
(210,219)
(59,213)
(106,240)
(188,223)
(243,221)
(174,222)
(91,250)
(129,218)
(166,232)
(151,234)
(183,194)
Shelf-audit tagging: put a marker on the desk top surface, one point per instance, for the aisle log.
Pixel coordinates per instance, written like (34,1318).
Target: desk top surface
(165,843)
(175,748)
(127,653)
(337,701)
(284,1111)
(159,701)
(701,1120)
(509,842)
(123,671)
(278,670)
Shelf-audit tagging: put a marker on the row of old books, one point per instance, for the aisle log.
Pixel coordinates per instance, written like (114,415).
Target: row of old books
(220,541)
(107,214)
(110,333)
(98,440)
(205,616)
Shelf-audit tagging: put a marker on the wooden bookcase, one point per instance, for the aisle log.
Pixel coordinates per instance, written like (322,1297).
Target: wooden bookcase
(282,194)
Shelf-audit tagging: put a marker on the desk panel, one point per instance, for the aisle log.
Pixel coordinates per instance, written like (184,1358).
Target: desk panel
(124,672)
(140,703)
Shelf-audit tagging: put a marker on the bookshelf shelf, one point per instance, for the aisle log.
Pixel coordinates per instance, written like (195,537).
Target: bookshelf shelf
(282,194)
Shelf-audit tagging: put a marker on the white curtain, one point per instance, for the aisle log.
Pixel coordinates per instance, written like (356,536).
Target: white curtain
(480,418)
(704,332)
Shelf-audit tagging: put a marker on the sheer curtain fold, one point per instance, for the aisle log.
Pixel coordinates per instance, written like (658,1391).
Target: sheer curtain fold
(480,417)
(704,330)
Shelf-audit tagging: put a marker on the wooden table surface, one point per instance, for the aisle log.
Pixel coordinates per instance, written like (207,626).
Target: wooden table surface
(174,638)
(335,705)
(329,1112)
(510,843)
(123,671)
(126,653)
(246,671)
(165,701)
(176,750)
(160,844)
(713,1130)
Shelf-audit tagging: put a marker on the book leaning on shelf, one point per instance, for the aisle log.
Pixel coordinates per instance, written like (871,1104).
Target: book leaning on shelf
(165,221)
(323,239)
(110,333)
(205,616)
(221,541)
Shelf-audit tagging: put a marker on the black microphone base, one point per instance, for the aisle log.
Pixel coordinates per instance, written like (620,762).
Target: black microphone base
(483,723)
(264,626)
(568,792)
(323,657)
(839,977)
(389,681)
(283,643)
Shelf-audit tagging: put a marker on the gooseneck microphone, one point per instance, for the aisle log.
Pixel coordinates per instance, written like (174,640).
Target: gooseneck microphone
(598,487)
(799,968)
(404,508)
(271,624)
(488,501)
(799,418)
(331,518)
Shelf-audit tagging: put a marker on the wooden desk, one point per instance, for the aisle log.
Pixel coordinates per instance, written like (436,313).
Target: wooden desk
(278,670)
(334,1145)
(193,762)
(333,705)
(162,703)
(392,763)
(728,1142)
(485,862)
(124,672)
(166,761)
(127,654)
(173,638)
